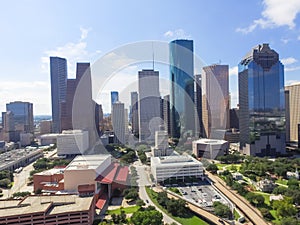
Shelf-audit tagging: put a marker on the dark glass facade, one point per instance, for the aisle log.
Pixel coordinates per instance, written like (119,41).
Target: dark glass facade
(114,95)
(182,106)
(58,73)
(262,103)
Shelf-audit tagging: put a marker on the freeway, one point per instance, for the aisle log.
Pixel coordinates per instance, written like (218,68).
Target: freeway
(247,209)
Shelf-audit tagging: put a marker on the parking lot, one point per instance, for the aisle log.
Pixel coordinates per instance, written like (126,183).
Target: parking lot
(201,193)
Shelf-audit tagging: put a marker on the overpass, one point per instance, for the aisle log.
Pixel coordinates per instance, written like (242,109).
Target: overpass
(205,215)
(251,213)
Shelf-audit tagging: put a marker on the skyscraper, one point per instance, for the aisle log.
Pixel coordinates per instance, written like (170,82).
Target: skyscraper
(58,73)
(215,102)
(134,113)
(198,105)
(182,87)
(149,104)
(167,114)
(292,113)
(23,115)
(262,103)
(114,96)
(118,122)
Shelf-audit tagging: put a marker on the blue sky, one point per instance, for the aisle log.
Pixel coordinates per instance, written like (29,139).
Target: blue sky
(223,31)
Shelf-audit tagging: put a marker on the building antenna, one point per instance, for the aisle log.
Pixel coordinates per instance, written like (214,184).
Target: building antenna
(152,56)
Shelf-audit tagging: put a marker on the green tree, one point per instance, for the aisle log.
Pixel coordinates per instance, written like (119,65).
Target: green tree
(222,210)
(289,221)
(147,217)
(212,168)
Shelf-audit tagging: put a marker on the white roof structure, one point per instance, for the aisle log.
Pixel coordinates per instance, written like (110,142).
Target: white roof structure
(84,162)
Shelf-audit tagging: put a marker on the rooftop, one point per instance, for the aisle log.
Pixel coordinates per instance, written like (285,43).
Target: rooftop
(87,162)
(52,171)
(174,160)
(52,204)
(210,141)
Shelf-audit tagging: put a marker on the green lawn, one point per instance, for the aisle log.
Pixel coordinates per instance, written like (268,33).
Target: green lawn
(236,215)
(222,166)
(175,190)
(184,221)
(281,181)
(127,210)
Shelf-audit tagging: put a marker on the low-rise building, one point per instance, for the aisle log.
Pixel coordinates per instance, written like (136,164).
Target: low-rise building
(290,174)
(237,176)
(210,148)
(50,210)
(266,185)
(47,139)
(72,142)
(175,166)
(26,139)
(49,181)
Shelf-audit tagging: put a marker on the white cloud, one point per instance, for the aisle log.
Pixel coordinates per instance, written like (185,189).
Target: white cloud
(285,40)
(276,13)
(37,92)
(84,33)
(298,38)
(289,69)
(233,71)
(72,51)
(289,60)
(291,82)
(177,34)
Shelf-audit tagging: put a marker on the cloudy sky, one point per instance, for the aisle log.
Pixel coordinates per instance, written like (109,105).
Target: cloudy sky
(223,31)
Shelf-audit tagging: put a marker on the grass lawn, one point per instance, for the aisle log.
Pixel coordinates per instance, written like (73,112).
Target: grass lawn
(236,215)
(127,210)
(282,181)
(175,190)
(194,220)
(222,166)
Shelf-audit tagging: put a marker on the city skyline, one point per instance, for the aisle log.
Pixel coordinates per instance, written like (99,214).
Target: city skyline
(88,36)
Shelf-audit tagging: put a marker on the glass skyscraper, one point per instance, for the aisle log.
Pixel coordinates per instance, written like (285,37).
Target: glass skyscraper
(262,103)
(182,106)
(22,114)
(58,73)
(114,96)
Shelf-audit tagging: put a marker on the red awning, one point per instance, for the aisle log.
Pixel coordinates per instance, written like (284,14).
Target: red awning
(108,175)
(101,201)
(122,174)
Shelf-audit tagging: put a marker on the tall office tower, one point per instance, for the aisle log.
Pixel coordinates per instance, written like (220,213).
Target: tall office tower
(292,113)
(118,122)
(167,114)
(58,73)
(83,107)
(149,104)
(215,102)
(234,118)
(97,118)
(182,88)
(161,108)
(198,107)
(135,113)
(23,115)
(114,96)
(262,103)
(67,105)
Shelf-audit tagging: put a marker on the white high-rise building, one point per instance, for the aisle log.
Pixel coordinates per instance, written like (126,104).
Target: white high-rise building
(118,122)
(149,104)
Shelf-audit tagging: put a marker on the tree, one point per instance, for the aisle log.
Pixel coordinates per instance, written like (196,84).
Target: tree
(280,190)
(147,217)
(212,168)
(266,214)
(140,202)
(289,221)
(222,210)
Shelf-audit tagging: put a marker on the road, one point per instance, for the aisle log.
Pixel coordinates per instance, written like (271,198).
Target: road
(198,210)
(143,181)
(247,209)
(20,179)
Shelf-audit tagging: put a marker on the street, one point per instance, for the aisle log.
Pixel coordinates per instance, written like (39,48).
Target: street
(144,181)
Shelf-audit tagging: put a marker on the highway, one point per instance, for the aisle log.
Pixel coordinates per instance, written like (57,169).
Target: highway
(247,209)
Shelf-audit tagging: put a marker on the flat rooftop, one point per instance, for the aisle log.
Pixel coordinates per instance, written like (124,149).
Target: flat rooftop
(174,160)
(50,205)
(15,155)
(210,141)
(83,162)
(52,171)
